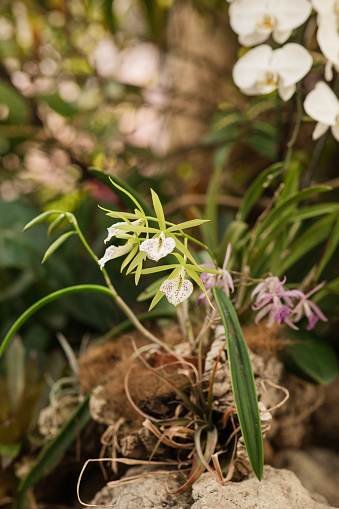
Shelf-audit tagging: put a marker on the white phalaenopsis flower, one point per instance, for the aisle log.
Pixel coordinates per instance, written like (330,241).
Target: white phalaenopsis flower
(177,289)
(158,247)
(255,21)
(328,33)
(323,105)
(113,231)
(263,69)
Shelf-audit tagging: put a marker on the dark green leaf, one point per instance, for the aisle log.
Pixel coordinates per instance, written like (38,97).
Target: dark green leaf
(56,244)
(313,356)
(242,379)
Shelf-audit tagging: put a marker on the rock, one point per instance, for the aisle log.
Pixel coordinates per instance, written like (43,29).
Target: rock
(317,469)
(149,493)
(278,489)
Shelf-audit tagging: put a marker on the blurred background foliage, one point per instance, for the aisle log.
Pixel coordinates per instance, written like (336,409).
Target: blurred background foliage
(141,89)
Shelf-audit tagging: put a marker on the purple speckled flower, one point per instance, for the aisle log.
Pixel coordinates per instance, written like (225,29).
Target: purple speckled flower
(280,305)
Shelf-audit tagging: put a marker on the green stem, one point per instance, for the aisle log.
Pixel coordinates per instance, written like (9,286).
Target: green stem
(293,139)
(118,300)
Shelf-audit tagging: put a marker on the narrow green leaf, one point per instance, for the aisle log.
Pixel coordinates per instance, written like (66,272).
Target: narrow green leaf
(329,250)
(312,237)
(211,211)
(158,210)
(180,246)
(40,218)
(257,188)
(289,203)
(315,210)
(159,268)
(313,356)
(58,446)
(54,225)
(242,379)
(56,244)
(140,257)
(198,281)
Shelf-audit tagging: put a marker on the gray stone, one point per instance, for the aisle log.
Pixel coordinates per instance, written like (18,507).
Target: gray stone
(278,489)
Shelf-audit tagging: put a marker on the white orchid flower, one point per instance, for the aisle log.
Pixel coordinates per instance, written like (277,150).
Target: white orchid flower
(114,252)
(263,69)
(158,247)
(113,231)
(177,289)
(328,33)
(323,105)
(255,21)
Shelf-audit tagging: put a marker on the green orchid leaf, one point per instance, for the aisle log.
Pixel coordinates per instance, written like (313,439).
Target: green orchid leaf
(257,188)
(312,237)
(316,358)
(140,257)
(242,378)
(57,447)
(330,249)
(312,211)
(54,225)
(158,210)
(56,244)
(198,281)
(180,246)
(41,217)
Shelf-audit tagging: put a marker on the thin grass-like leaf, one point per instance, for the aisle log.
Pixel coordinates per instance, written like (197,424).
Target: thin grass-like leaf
(54,225)
(56,448)
(151,290)
(187,224)
(242,379)
(40,218)
(56,244)
(45,300)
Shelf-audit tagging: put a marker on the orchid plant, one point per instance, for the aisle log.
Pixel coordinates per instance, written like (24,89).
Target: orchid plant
(246,275)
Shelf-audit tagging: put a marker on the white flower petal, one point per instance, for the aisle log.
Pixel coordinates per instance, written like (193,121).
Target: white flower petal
(322,104)
(243,15)
(252,39)
(328,40)
(281,36)
(114,252)
(291,14)
(328,71)
(286,92)
(292,62)
(335,131)
(247,69)
(319,130)
(177,289)
(159,247)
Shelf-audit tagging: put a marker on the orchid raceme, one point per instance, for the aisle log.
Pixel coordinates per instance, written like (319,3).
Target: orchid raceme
(177,289)
(263,70)
(255,21)
(322,105)
(285,306)
(158,247)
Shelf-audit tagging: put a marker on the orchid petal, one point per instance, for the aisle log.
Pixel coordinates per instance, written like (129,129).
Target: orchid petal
(158,247)
(319,130)
(177,289)
(113,231)
(322,104)
(247,68)
(292,62)
(114,252)
(328,39)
